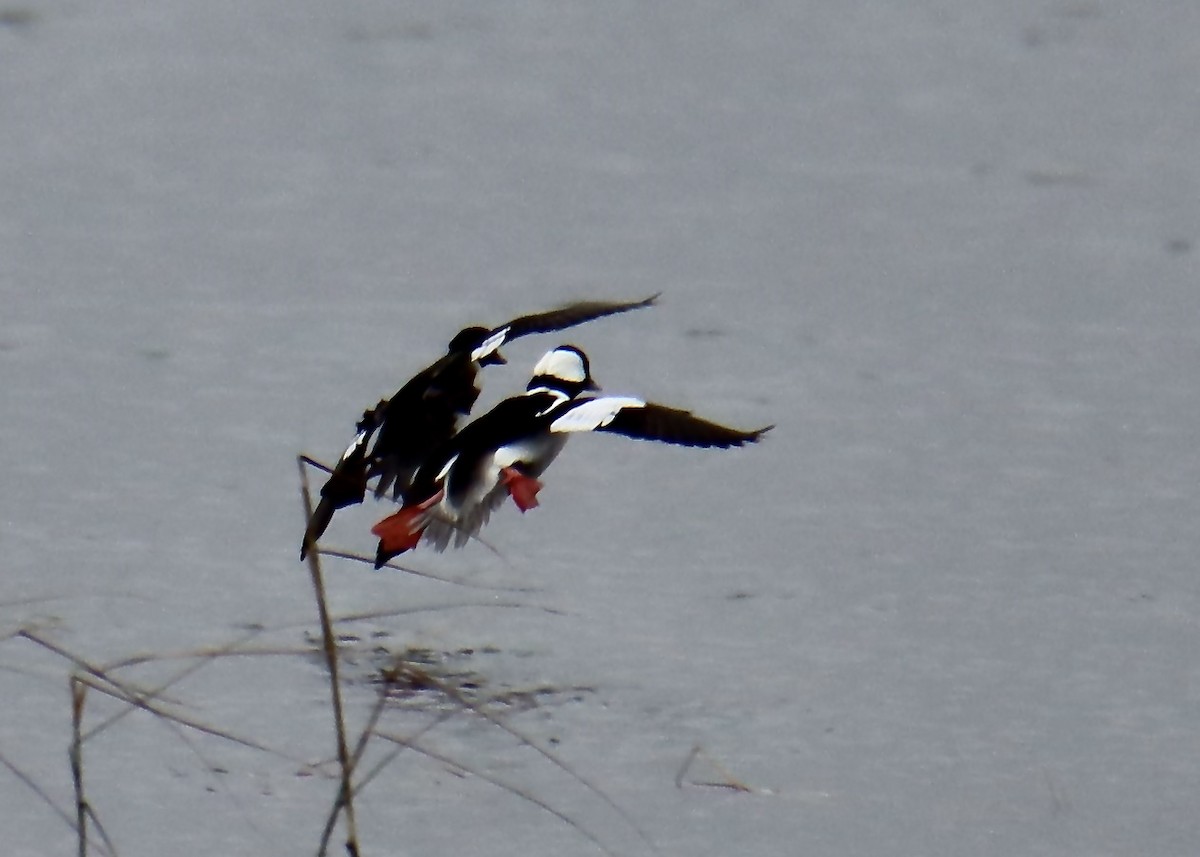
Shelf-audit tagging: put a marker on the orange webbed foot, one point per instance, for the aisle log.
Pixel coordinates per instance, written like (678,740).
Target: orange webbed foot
(523,489)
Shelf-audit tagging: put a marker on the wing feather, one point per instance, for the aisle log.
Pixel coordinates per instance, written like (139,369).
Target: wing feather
(673,425)
(593,414)
(569,315)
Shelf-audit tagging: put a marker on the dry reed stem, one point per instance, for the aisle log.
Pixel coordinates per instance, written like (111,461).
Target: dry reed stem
(524,794)
(100,681)
(360,748)
(78,695)
(83,809)
(729,782)
(87,676)
(419,676)
(394,566)
(31,784)
(331,662)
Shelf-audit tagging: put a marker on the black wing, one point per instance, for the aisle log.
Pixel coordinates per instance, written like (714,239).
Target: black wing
(569,316)
(422,416)
(673,425)
(347,482)
(424,413)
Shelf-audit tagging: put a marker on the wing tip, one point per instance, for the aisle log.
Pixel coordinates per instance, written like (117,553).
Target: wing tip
(752,436)
(755,435)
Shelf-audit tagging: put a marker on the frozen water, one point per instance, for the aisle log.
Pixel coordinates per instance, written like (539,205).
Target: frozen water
(947,606)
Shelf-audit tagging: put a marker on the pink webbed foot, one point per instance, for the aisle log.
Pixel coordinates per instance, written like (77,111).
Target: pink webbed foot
(523,489)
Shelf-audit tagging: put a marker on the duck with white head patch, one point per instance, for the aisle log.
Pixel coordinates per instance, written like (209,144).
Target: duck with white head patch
(424,413)
(505,451)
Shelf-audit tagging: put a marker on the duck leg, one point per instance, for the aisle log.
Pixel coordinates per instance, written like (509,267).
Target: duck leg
(523,489)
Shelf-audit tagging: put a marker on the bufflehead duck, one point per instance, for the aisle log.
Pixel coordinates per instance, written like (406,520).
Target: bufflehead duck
(505,451)
(424,413)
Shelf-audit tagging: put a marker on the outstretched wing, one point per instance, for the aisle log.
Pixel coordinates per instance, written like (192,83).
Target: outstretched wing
(566,316)
(647,421)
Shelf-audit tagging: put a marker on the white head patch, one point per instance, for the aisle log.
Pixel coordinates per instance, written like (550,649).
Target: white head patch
(561,363)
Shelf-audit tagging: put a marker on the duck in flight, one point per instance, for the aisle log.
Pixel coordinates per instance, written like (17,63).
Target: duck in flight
(424,414)
(503,452)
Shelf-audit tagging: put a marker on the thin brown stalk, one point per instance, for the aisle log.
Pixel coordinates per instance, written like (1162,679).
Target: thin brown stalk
(425,679)
(208,654)
(83,808)
(428,575)
(33,786)
(393,612)
(360,748)
(389,613)
(504,785)
(687,764)
(331,661)
(100,681)
(379,766)
(204,657)
(313,463)
(79,662)
(108,843)
(78,696)
(729,782)
(124,694)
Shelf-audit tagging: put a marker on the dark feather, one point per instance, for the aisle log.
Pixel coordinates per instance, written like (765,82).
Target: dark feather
(347,482)
(673,425)
(569,316)
(421,416)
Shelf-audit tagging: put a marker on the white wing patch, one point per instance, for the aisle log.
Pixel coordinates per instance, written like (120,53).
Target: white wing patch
(559,399)
(490,344)
(358,441)
(446,468)
(594,413)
